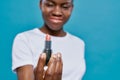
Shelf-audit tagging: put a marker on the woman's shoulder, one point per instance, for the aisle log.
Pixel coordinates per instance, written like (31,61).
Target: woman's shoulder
(27,33)
(76,38)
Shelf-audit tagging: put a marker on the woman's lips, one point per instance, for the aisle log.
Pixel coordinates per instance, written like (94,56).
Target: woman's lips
(56,20)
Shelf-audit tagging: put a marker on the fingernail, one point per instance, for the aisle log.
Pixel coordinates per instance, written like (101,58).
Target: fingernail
(42,55)
(59,55)
(54,55)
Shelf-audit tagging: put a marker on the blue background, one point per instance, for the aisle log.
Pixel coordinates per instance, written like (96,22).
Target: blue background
(97,22)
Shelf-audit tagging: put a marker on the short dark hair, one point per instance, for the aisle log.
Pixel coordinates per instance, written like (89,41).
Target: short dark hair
(41,0)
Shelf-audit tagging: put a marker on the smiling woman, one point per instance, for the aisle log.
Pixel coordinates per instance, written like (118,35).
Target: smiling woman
(28,57)
(55,14)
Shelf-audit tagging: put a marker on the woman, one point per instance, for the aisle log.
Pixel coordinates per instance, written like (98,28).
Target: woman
(28,59)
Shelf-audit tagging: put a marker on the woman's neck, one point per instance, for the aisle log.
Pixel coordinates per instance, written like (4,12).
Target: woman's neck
(58,33)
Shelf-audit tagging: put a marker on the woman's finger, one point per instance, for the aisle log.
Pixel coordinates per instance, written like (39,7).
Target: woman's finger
(39,71)
(51,68)
(58,69)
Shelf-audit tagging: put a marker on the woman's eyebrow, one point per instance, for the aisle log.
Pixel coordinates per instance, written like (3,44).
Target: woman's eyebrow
(49,0)
(66,2)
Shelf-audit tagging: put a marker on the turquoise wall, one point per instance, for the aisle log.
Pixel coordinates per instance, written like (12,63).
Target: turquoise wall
(97,22)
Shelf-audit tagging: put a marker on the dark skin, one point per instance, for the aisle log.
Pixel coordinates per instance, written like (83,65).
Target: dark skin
(55,14)
(53,72)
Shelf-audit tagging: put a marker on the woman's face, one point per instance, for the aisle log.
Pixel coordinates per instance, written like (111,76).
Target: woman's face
(56,13)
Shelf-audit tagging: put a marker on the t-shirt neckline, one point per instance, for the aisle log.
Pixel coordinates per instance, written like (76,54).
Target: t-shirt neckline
(43,34)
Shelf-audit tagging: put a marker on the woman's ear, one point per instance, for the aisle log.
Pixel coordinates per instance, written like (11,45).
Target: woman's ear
(40,4)
(72,6)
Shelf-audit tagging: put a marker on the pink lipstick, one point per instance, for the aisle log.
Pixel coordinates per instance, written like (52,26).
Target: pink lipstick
(47,49)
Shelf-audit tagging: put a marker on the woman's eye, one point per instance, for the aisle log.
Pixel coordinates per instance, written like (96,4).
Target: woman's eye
(66,6)
(50,4)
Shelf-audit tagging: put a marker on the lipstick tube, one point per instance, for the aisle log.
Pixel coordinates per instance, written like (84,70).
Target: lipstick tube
(47,48)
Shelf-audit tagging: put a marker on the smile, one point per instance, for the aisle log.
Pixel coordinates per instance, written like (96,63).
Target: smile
(56,20)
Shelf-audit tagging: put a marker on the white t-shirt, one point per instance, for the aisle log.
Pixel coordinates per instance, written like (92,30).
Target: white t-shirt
(28,46)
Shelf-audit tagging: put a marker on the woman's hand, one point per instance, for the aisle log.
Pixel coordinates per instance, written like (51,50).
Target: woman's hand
(54,70)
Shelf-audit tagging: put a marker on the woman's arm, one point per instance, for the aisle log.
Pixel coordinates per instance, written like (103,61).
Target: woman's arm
(25,72)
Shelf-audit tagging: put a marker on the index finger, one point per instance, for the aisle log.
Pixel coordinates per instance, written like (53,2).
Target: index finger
(39,72)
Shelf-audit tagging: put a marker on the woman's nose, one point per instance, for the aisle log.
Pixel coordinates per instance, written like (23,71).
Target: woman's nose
(57,11)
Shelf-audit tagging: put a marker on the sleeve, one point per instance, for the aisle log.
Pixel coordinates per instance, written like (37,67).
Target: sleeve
(83,63)
(21,53)
(81,69)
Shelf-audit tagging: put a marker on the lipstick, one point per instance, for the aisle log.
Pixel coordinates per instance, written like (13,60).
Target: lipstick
(47,48)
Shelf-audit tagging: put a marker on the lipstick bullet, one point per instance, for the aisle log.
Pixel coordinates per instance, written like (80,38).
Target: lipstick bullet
(47,48)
